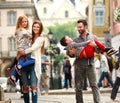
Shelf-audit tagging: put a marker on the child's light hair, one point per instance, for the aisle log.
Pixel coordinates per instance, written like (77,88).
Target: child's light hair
(19,22)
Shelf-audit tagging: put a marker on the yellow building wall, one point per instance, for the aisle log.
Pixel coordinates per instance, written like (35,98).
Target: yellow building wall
(99,30)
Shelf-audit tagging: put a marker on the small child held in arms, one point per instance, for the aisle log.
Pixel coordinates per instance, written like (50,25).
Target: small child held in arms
(84,49)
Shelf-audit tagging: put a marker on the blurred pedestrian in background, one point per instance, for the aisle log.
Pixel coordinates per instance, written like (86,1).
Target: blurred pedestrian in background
(44,81)
(66,73)
(97,66)
(105,70)
(73,75)
(61,71)
(117,82)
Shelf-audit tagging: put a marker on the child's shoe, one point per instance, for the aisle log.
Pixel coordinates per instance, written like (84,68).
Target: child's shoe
(11,81)
(18,70)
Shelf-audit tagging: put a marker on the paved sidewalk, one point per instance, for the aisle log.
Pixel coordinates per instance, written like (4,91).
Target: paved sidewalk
(65,96)
(72,91)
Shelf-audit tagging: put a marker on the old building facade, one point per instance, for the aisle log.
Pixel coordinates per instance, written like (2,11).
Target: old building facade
(115,23)
(52,12)
(98,17)
(10,10)
(102,16)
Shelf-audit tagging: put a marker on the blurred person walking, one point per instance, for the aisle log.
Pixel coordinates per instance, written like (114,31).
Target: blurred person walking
(105,70)
(61,71)
(67,73)
(117,82)
(97,66)
(73,75)
(44,81)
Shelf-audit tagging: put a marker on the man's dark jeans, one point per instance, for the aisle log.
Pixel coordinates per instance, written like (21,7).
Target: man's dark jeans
(90,73)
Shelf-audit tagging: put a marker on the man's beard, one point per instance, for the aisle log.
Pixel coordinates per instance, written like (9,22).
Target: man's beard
(82,32)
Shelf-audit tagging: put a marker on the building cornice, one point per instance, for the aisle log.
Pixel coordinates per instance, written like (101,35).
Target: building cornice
(7,5)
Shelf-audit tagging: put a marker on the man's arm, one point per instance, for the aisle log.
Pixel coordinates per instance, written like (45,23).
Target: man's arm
(45,62)
(74,45)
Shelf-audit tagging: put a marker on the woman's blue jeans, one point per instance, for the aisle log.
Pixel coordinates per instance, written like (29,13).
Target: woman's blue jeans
(29,78)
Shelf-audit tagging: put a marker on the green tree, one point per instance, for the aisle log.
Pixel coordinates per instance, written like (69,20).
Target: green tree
(59,30)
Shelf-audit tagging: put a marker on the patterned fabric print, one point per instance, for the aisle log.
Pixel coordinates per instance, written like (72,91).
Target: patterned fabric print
(23,39)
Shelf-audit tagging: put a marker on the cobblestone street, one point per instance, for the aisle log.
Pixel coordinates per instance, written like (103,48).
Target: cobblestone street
(15,97)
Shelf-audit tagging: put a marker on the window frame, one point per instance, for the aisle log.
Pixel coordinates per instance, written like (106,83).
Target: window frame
(0,18)
(66,13)
(99,20)
(11,18)
(45,10)
(12,44)
(0,47)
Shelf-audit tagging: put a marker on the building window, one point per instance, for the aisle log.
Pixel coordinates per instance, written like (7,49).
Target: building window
(45,10)
(12,44)
(11,18)
(99,18)
(99,15)
(0,47)
(66,14)
(0,18)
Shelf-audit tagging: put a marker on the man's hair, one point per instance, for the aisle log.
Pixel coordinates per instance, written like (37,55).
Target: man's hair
(82,21)
(63,41)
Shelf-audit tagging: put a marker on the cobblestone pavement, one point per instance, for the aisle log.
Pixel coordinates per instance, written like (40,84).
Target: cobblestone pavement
(15,97)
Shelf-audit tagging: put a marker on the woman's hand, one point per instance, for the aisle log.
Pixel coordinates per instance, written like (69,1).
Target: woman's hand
(22,53)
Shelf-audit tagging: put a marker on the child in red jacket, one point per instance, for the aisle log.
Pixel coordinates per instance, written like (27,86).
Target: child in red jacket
(85,49)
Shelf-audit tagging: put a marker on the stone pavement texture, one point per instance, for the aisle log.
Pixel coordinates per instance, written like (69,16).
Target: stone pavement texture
(72,91)
(64,96)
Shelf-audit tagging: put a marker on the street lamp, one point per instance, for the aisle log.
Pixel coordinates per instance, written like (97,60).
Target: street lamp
(50,34)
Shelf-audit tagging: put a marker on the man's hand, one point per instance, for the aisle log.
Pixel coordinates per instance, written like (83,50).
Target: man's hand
(88,42)
(92,43)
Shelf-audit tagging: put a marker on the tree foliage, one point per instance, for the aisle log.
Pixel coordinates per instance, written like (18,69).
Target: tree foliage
(60,30)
